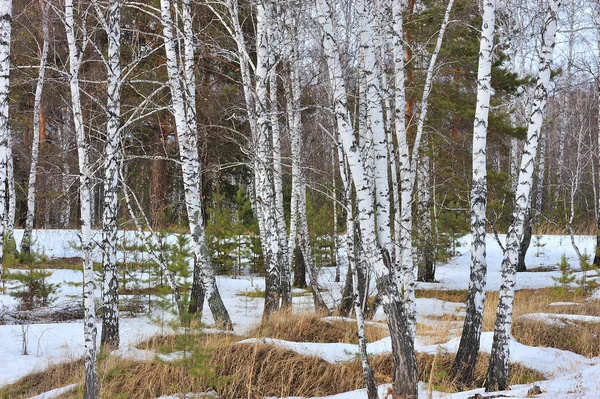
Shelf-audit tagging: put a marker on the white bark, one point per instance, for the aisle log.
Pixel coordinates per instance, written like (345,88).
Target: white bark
(469,345)
(12,194)
(110,287)
(540,179)
(5,33)
(90,330)
(497,378)
(185,121)
(273,36)
(35,143)
(405,376)
(352,266)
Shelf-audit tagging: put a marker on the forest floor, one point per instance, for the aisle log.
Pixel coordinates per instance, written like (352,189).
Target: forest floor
(554,346)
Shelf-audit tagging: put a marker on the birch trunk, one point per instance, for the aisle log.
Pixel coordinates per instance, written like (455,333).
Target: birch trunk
(466,357)
(110,287)
(405,372)
(426,247)
(90,330)
(597,253)
(274,52)
(356,294)
(497,376)
(12,195)
(299,187)
(35,143)
(185,122)
(407,165)
(5,33)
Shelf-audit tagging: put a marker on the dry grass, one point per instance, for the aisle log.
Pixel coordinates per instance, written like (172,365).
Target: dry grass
(581,338)
(538,301)
(307,327)
(238,371)
(53,377)
(442,380)
(245,371)
(444,295)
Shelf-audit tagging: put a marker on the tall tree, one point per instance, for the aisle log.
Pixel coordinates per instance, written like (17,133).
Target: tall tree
(182,90)
(387,274)
(5,31)
(35,143)
(90,330)
(110,287)
(466,357)
(497,375)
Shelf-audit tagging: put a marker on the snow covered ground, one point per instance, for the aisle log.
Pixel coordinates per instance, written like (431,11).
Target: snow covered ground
(569,375)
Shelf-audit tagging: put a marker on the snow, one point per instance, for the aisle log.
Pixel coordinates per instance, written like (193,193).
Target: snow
(570,375)
(560,319)
(55,392)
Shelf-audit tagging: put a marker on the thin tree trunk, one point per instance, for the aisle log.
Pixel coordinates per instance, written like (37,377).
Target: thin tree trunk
(154,244)
(35,142)
(12,194)
(90,330)
(466,356)
(540,180)
(5,33)
(425,247)
(597,254)
(405,371)
(185,121)
(110,287)
(497,375)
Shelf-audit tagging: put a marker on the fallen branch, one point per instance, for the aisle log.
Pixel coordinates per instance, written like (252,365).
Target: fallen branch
(60,312)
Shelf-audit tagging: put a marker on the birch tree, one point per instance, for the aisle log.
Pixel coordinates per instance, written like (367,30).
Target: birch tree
(597,22)
(5,31)
(497,375)
(255,76)
(466,357)
(110,287)
(405,373)
(90,330)
(298,220)
(408,164)
(35,144)
(183,107)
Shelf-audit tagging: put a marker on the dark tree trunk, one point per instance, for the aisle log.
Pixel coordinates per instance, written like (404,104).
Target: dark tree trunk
(346,303)
(197,294)
(299,270)
(525,241)
(597,256)
(158,188)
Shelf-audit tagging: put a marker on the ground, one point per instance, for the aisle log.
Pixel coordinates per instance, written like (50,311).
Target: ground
(572,373)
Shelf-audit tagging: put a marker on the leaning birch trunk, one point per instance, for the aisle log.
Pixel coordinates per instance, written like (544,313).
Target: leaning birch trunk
(35,144)
(405,371)
(110,287)
(407,165)
(188,153)
(539,199)
(5,31)
(90,330)
(356,297)
(497,375)
(466,356)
